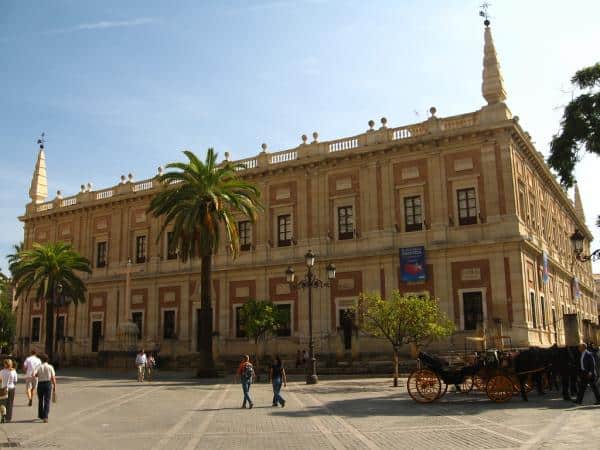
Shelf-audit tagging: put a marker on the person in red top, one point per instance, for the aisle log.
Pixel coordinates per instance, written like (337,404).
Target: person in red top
(246,373)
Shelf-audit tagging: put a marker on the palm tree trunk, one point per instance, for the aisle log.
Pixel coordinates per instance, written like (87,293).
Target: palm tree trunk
(49,344)
(207,363)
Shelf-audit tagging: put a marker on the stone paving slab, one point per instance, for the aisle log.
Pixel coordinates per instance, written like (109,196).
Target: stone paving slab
(95,411)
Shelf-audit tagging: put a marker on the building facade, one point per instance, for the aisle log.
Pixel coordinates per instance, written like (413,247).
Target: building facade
(471,191)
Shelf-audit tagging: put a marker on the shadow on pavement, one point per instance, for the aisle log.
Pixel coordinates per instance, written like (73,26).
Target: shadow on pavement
(402,405)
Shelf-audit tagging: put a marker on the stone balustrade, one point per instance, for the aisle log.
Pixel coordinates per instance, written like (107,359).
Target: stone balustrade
(265,159)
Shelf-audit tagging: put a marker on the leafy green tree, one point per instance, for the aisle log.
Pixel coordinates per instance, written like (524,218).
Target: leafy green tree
(580,125)
(261,319)
(49,273)
(402,320)
(14,257)
(7,317)
(199,200)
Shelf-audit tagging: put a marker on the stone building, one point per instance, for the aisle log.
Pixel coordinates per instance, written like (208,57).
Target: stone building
(468,198)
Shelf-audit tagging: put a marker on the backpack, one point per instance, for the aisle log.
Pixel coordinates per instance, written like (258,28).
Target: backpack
(248,373)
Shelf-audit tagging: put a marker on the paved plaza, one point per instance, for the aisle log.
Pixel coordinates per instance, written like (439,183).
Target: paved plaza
(108,411)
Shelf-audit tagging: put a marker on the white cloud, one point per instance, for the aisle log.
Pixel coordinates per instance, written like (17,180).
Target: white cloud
(104,24)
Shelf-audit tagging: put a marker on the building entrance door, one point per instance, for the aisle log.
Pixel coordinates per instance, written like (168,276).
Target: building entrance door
(347,326)
(96,334)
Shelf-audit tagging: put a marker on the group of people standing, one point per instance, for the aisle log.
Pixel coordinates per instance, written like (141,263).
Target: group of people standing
(145,365)
(39,376)
(247,376)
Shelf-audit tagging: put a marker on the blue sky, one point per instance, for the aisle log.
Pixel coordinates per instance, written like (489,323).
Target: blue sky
(123,87)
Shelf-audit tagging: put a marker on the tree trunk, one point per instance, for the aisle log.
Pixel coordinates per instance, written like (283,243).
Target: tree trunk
(396,358)
(207,363)
(49,344)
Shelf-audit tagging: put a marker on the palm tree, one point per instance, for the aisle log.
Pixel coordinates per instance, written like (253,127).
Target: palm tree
(14,257)
(50,271)
(199,200)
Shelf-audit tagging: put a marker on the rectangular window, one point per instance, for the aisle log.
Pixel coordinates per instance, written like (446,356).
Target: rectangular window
(284,230)
(169,324)
(522,201)
(35,329)
(472,310)
(171,249)
(240,328)
(140,249)
(345,223)
(101,254)
(60,328)
(245,234)
(138,318)
(543,310)
(467,206)
(533,314)
(413,218)
(285,320)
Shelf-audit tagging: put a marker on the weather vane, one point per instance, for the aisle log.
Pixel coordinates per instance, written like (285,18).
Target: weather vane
(41,141)
(483,12)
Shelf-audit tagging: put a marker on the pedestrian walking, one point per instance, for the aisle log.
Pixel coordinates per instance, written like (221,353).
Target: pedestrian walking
(277,375)
(304,357)
(140,363)
(246,373)
(588,374)
(7,390)
(32,362)
(150,365)
(46,385)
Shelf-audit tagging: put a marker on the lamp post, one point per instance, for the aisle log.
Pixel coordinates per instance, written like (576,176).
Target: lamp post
(310,281)
(577,242)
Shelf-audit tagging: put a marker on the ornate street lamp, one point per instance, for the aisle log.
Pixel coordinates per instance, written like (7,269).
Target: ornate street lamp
(577,239)
(310,281)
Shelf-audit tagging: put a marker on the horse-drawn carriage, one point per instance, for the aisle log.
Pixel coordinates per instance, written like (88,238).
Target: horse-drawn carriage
(492,371)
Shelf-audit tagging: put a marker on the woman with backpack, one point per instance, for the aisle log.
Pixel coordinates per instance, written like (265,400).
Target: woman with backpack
(277,375)
(246,373)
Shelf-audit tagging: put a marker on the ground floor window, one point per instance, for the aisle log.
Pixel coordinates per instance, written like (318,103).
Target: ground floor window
(472,309)
(169,324)
(36,323)
(240,326)
(285,319)
(137,317)
(534,323)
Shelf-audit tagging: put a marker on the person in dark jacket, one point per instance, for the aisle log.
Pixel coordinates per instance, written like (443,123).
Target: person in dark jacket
(588,375)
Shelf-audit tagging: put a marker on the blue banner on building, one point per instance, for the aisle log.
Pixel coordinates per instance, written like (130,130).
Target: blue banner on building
(412,264)
(545,272)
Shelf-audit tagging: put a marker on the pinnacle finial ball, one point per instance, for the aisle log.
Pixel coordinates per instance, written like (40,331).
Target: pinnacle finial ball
(264,147)
(304,138)
(383,121)
(226,156)
(315,135)
(433,110)
(486,22)
(371,124)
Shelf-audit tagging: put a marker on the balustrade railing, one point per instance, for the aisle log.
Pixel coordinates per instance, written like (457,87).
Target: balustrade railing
(314,148)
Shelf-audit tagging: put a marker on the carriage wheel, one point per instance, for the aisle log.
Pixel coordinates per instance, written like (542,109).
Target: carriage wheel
(443,390)
(424,386)
(499,388)
(467,384)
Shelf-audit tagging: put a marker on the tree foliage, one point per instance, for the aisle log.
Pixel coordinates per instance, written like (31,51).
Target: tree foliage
(198,198)
(7,317)
(402,319)
(261,319)
(49,273)
(580,125)
(199,201)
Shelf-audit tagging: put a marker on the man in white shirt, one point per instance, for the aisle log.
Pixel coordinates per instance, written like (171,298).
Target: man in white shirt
(140,362)
(46,386)
(29,367)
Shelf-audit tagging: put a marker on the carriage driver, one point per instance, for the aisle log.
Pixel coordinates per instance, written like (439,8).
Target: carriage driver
(588,375)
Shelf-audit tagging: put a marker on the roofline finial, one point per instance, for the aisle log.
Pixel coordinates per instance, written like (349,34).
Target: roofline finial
(483,12)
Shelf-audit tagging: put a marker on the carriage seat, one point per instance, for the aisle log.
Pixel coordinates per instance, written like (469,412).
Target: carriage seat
(432,362)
